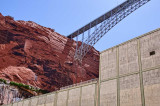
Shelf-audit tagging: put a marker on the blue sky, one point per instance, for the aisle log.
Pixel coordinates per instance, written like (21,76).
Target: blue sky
(66,16)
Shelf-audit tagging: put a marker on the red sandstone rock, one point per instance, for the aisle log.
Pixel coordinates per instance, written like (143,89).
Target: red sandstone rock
(39,56)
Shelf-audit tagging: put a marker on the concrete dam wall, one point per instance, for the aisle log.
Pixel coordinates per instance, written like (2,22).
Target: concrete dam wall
(129,76)
(130,72)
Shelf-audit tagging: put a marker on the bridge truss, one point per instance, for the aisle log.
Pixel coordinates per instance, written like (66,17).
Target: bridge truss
(91,33)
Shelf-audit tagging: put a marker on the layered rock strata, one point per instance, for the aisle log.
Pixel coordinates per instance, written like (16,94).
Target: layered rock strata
(39,56)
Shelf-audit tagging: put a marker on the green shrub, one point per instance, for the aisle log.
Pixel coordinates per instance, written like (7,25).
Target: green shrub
(4,81)
(25,86)
(28,87)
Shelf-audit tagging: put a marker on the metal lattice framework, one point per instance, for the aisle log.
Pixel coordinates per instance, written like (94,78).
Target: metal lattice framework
(102,25)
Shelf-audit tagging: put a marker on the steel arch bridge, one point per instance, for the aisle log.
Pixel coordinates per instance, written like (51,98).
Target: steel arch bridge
(91,33)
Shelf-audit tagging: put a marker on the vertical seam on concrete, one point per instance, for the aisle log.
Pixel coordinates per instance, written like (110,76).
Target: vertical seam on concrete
(140,74)
(22,103)
(98,94)
(67,97)
(118,87)
(55,99)
(45,101)
(29,102)
(37,101)
(80,97)
(99,82)
(100,69)
(95,95)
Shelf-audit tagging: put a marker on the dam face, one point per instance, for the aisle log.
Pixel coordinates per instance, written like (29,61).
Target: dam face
(130,72)
(129,75)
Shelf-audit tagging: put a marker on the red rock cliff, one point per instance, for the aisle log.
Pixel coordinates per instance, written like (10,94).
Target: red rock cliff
(39,56)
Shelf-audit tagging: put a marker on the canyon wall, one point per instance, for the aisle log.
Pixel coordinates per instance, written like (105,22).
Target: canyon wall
(35,55)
